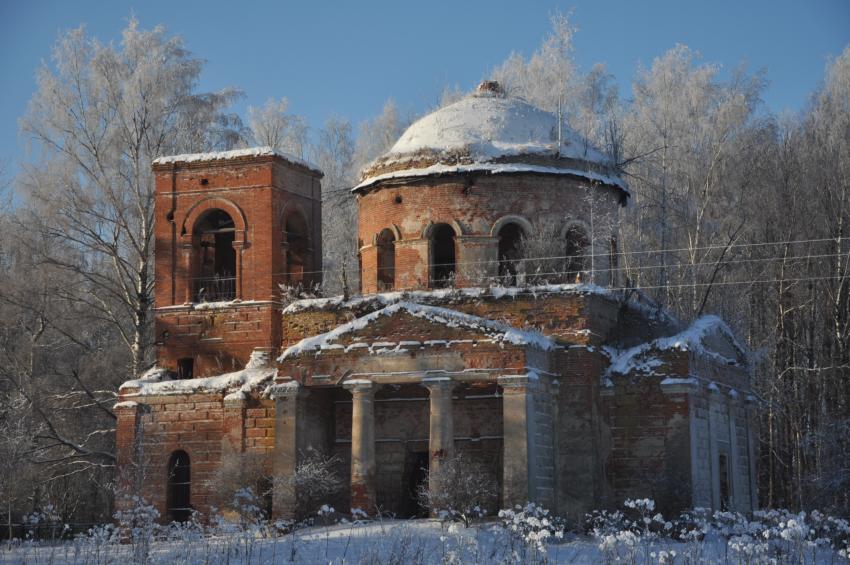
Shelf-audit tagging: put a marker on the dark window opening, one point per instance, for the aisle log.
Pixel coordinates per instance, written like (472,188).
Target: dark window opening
(510,253)
(216,257)
(178,503)
(297,248)
(576,246)
(185,368)
(442,256)
(386,260)
(415,479)
(725,486)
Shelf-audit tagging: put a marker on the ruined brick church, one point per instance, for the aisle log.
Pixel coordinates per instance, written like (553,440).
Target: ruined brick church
(567,389)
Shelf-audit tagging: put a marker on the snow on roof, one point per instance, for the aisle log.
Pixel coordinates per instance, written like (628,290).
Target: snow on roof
(634,359)
(450,318)
(496,292)
(491,124)
(263,151)
(486,126)
(158,382)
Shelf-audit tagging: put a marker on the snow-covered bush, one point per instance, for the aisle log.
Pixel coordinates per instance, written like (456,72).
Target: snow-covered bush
(459,489)
(634,531)
(45,523)
(533,526)
(237,472)
(138,525)
(315,481)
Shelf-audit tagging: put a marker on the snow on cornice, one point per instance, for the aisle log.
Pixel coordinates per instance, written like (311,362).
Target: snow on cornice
(634,359)
(157,381)
(496,292)
(493,168)
(262,151)
(451,318)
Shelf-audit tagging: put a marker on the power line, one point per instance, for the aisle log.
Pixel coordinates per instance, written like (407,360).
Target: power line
(636,268)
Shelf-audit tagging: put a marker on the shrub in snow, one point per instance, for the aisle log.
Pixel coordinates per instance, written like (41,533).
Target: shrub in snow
(45,523)
(635,531)
(533,526)
(316,479)
(236,472)
(462,490)
(138,525)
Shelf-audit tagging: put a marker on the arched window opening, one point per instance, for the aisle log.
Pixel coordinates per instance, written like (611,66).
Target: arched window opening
(510,253)
(178,503)
(297,248)
(216,258)
(386,259)
(443,265)
(575,253)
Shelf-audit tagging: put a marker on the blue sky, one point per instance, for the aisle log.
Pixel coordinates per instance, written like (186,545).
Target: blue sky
(346,58)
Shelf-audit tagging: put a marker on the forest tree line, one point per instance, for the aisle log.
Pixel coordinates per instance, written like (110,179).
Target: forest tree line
(735,211)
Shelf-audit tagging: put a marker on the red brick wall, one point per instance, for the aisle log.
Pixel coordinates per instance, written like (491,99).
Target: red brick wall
(574,318)
(475,203)
(259,193)
(650,444)
(219,339)
(196,424)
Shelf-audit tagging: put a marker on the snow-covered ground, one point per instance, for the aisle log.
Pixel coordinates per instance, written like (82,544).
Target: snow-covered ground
(527,535)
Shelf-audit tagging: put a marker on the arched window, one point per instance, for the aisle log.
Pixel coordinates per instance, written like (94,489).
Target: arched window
(575,253)
(510,252)
(215,263)
(297,248)
(443,265)
(178,503)
(386,259)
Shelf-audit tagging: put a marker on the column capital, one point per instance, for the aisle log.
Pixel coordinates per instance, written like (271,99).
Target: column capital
(285,389)
(438,384)
(516,383)
(359,387)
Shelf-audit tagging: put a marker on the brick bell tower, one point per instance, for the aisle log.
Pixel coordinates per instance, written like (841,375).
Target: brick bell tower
(231,228)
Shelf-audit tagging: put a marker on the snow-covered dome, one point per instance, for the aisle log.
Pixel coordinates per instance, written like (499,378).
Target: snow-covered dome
(490,131)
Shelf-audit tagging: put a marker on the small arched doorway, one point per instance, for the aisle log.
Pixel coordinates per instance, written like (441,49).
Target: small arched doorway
(386,259)
(297,241)
(215,257)
(443,262)
(178,501)
(575,253)
(510,253)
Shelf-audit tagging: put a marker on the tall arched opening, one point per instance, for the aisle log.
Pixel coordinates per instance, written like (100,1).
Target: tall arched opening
(178,499)
(443,256)
(385,243)
(215,257)
(575,252)
(510,252)
(297,243)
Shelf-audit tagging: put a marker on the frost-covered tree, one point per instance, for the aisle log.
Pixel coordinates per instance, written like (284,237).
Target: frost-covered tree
(333,152)
(685,137)
(273,126)
(76,287)
(377,136)
(100,115)
(551,79)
